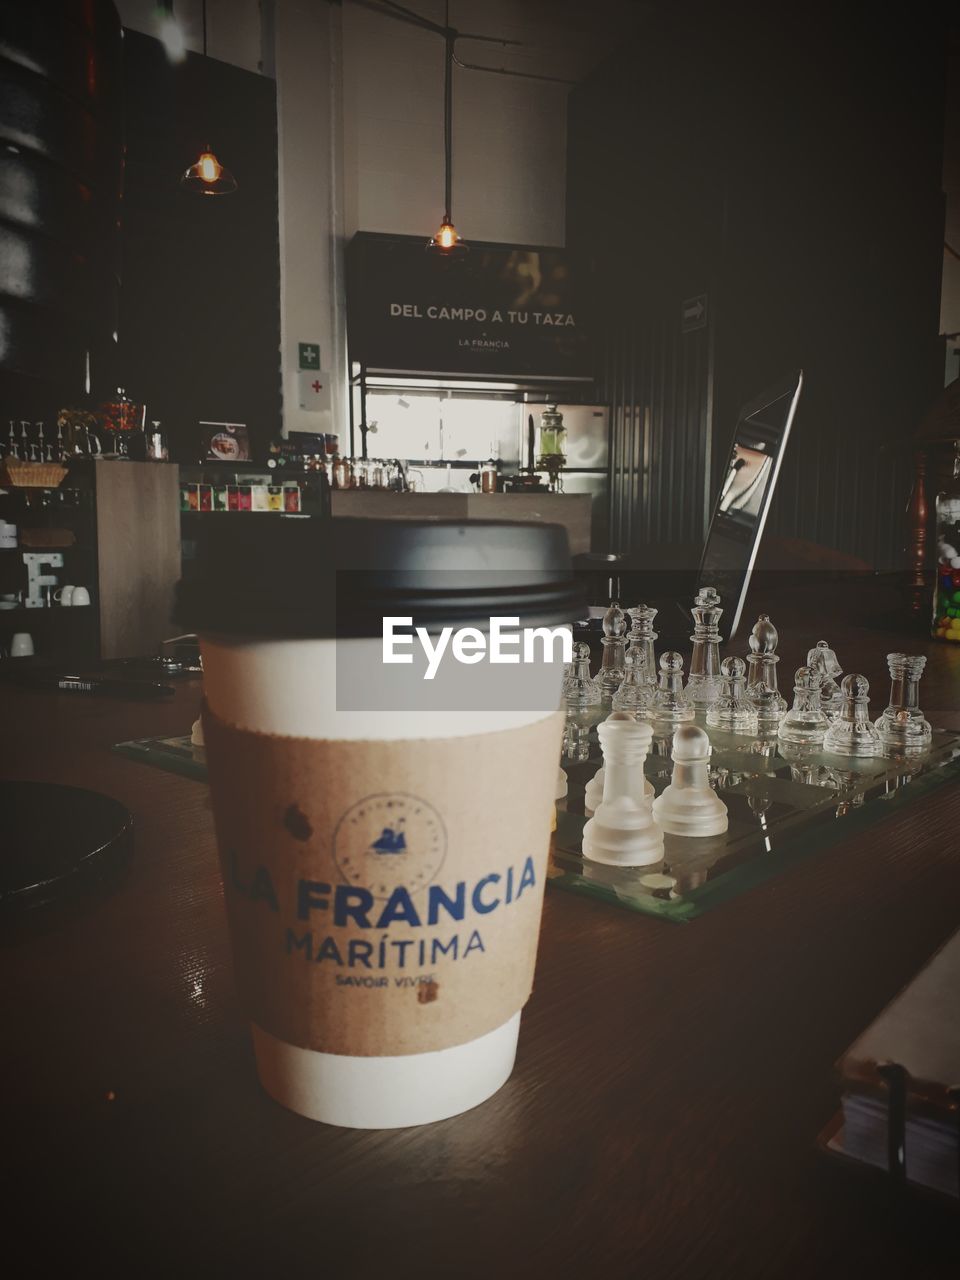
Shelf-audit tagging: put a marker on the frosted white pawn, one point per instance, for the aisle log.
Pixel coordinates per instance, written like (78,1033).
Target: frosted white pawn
(689,806)
(622,832)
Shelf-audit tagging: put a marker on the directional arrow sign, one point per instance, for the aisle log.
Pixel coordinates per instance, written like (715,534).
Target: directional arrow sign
(693,313)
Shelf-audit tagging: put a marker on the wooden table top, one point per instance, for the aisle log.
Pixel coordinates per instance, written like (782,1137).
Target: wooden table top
(662,1118)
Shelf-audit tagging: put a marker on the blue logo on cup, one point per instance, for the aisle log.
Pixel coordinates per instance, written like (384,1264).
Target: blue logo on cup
(390,841)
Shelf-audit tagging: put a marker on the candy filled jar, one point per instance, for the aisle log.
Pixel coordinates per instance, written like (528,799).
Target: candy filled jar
(946,595)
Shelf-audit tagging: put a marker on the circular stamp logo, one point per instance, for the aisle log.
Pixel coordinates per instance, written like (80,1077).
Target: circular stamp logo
(387,841)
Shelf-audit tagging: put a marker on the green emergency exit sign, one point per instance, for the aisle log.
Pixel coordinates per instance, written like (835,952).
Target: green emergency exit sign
(309,355)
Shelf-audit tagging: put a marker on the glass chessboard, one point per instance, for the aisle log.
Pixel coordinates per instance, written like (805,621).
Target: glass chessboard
(781,810)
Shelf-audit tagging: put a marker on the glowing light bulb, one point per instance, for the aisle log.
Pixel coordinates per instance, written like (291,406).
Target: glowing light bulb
(446,237)
(208,167)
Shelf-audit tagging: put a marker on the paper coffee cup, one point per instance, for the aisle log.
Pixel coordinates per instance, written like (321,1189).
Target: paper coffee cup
(383,868)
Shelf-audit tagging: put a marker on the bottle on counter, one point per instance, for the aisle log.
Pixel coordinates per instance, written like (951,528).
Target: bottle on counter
(489,476)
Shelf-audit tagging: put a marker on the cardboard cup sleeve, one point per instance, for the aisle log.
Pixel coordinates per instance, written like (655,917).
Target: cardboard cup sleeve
(383,898)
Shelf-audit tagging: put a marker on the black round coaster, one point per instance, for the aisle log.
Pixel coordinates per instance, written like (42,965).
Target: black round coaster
(56,839)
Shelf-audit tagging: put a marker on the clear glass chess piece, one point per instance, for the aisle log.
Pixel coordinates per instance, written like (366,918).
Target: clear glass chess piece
(762,671)
(703,682)
(852,733)
(593,791)
(805,723)
(579,689)
(689,806)
(902,726)
(612,665)
(823,659)
(576,734)
(640,640)
(622,832)
(731,711)
(770,707)
(634,693)
(668,705)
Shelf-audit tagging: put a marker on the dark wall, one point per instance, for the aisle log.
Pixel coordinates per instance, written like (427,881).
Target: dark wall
(200,303)
(785,162)
(61,86)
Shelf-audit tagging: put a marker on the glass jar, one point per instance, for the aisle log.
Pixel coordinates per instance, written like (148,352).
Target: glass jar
(488,476)
(551,420)
(946,592)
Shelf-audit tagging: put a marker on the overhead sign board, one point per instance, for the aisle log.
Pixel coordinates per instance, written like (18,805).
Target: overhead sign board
(498,311)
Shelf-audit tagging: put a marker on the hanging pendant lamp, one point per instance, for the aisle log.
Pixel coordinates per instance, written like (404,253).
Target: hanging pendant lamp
(446,243)
(207,176)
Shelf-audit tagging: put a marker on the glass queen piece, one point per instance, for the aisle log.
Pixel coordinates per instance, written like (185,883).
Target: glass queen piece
(703,683)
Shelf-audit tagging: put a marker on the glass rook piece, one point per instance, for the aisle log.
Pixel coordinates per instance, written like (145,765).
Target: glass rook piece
(622,832)
(902,726)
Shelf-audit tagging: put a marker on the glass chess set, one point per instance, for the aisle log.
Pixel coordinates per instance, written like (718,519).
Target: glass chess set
(680,793)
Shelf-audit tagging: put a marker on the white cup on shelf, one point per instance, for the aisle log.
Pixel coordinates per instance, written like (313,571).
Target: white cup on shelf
(21,646)
(79,597)
(64,596)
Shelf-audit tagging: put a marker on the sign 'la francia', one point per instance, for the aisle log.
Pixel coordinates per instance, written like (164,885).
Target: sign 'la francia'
(353,907)
(480,315)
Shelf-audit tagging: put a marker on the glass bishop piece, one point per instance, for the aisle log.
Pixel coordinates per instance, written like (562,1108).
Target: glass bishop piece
(669,706)
(823,659)
(703,683)
(851,733)
(579,689)
(634,693)
(805,723)
(732,711)
(640,640)
(902,726)
(612,665)
(762,688)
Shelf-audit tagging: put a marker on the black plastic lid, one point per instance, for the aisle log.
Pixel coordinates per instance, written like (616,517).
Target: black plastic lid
(284,576)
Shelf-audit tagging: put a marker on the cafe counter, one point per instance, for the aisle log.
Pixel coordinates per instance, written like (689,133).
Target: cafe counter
(572,510)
